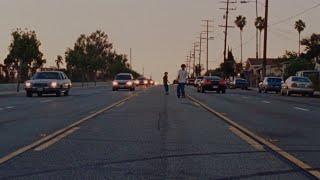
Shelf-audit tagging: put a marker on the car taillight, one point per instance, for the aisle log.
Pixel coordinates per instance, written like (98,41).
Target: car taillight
(207,81)
(294,85)
(222,82)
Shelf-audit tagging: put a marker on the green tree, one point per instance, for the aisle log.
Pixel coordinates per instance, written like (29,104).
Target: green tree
(59,61)
(312,47)
(228,67)
(24,54)
(259,24)
(241,23)
(299,26)
(296,63)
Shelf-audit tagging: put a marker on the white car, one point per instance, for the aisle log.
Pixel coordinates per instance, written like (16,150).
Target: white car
(297,85)
(48,82)
(123,81)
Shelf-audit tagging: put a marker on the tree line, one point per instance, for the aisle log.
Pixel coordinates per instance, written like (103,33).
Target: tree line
(92,58)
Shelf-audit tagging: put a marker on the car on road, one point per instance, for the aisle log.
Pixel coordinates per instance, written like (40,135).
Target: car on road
(197,81)
(270,84)
(142,81)
(48,82)
(239,83)
(297,85)
(190,81)
(123,81)
(212,83)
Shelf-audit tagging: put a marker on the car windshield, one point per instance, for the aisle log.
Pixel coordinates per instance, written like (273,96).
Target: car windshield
(213,78)
(241,81)
(123,77)
(300,79)
(46,75)
(274,80)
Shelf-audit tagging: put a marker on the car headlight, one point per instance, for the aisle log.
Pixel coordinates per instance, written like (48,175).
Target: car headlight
(136,82)
(28,84)
(151,82)
(145,82)
(115,83)
(54,84)
(129,83)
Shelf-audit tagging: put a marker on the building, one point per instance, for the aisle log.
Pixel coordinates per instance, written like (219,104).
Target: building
(274,67)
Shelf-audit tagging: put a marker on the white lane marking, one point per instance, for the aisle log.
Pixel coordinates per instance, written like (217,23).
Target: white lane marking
(301,109)
(55,140)
(9,107)
(45,101)
(1,109)
(245,97)
(267,102)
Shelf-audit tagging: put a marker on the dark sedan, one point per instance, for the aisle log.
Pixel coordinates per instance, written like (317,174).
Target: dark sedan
(212,83)
(239,83)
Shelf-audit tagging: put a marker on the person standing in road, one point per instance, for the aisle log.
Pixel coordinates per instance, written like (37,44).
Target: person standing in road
(182,79)
(165,83)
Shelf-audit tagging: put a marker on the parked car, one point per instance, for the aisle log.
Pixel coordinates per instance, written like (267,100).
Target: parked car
(297,85)
(270,84)
(48,82)
(123,81)
(197,81)
(239,83)
(212,83)
(190,81)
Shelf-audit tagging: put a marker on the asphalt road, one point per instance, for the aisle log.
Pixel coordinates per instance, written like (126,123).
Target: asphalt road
(154,136)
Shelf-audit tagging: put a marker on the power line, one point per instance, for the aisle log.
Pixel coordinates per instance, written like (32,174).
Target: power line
(295,15)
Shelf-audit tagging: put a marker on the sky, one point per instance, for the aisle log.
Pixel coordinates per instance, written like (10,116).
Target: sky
(160,32)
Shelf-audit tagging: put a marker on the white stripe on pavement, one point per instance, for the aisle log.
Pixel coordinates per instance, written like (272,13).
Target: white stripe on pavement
(267,102)
(302,109)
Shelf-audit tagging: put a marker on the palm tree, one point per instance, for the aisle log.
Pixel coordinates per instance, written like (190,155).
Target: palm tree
(59,61)
(241,23)
(259,23)
(300,26)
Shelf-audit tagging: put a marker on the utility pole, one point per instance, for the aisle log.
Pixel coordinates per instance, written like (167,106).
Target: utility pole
(265,44)
(130,59)
(207,38)
(226,26)
(194,58)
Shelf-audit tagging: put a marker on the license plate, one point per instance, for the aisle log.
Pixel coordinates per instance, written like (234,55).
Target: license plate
(215,87)
(39,89)
(301,85)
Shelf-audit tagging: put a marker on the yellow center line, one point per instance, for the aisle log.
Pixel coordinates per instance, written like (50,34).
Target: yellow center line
(57,133)
(304,166)
(56,139)
(246,138)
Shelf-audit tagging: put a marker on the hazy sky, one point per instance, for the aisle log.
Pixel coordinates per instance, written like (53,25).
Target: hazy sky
(160,32)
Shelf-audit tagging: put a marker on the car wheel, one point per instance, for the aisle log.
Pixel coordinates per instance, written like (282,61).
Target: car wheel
(259,90)
(288,93)
(58,93)
(311,94)
(198,90)
(218,91)
(223,91)
(40,94)
(281,92)
(132,89)
(203,90)
(66,93)
(29,94)
(265,91)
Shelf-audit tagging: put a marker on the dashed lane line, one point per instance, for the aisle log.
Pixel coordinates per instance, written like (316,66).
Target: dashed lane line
(266,102)
(302,109)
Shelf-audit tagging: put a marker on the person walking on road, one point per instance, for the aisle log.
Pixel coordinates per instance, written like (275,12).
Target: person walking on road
(182,79)
(165,83)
